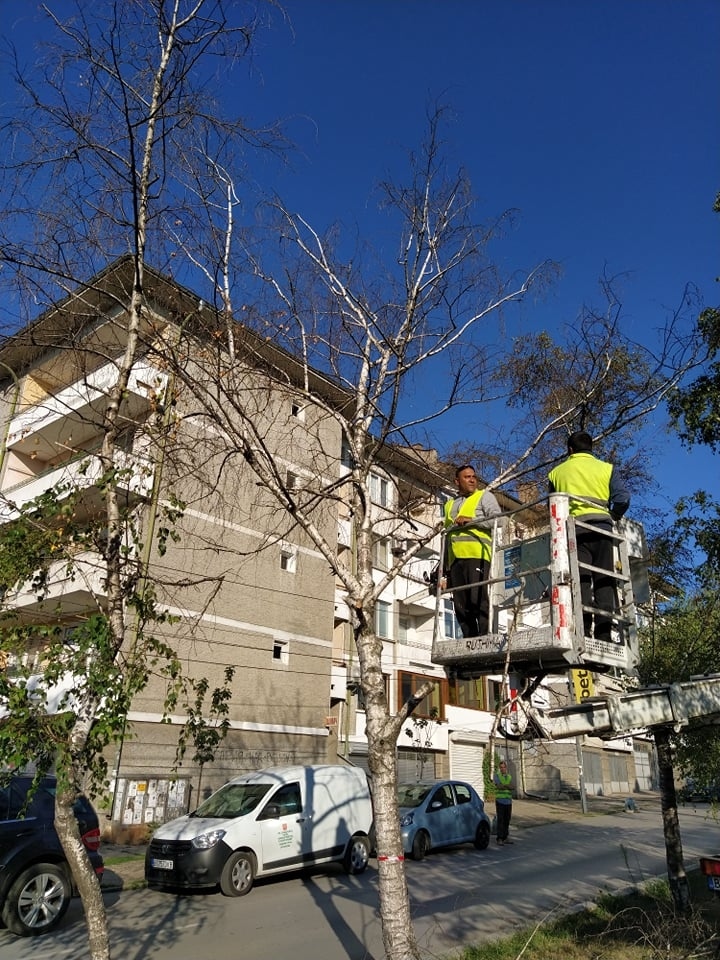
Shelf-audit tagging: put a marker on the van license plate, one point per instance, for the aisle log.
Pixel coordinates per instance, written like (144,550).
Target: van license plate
(161,864)
(714,883)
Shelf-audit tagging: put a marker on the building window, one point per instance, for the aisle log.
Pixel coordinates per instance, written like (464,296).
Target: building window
(404,629)
(432,704)
(346,458)
(344,534)
(288,559)
(297,410)
(383,618)
(379,490)
(451,627)
(496,694)
(292,481)
(381,553)
(281,651)
(470,694)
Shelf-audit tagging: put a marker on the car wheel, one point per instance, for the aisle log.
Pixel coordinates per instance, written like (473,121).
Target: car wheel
(238,874)
(37,900)
(357,855)
(482,836)
(420,845)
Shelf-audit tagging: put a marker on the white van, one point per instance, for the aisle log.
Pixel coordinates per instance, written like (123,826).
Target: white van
(262,823)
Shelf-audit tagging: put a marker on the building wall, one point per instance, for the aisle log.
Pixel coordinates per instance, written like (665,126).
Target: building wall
(247,589)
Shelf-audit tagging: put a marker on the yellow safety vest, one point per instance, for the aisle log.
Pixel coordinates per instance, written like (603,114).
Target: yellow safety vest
(467,542)
(585,476)
(503,786)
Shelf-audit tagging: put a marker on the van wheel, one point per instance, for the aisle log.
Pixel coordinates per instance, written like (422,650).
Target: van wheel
(421,845)
(482,836)
(37,900)
(238,874)
(357,855)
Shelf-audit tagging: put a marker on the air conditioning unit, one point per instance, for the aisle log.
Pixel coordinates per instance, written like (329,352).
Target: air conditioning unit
(399,548)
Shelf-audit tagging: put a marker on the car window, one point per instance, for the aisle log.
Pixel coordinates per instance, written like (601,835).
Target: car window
(443,795)
(14,804)
(284,802)
(462,793)
(4,803)
(82,807)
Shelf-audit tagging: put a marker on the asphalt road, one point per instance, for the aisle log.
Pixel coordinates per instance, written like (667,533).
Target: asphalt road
(458,897)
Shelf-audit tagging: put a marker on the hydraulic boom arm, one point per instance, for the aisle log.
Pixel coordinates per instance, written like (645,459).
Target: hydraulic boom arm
(616,715)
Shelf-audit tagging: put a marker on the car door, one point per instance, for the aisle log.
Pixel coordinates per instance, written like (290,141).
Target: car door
(468,815)
(282,823)
(441,816)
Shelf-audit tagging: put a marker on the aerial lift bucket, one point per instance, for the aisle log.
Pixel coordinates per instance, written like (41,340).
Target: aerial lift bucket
(536,610)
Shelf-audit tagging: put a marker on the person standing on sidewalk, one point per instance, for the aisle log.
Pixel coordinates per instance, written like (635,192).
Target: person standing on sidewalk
(503,802)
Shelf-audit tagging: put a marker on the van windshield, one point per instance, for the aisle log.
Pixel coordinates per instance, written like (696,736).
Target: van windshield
(233,800)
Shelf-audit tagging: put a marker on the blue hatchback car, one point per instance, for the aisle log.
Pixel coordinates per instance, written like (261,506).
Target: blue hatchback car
(441,814)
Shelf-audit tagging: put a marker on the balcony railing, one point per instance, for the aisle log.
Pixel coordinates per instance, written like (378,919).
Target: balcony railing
(135,477)
(38,428)
(74,587)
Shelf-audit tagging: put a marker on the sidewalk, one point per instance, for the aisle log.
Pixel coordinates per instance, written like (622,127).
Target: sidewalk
(527,813)
(128,874)
(532,812)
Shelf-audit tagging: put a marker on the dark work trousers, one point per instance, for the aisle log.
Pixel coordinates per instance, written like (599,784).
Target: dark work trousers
(596,590)
(473,604)
(503,812)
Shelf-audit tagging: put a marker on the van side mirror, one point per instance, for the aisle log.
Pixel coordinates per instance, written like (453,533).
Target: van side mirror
(271,812)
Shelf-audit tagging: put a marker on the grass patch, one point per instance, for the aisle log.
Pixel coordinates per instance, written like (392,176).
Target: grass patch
(123,858)
(136,885)
(640,926)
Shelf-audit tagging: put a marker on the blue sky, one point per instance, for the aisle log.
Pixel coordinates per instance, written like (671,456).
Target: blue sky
(597,120)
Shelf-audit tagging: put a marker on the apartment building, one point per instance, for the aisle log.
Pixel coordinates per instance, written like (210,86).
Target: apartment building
(242,585)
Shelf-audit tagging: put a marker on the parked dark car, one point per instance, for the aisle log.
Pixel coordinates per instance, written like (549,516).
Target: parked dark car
(441,814)
(35,881)
(693,791)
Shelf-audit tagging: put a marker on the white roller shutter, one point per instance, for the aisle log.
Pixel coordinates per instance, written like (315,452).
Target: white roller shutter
(466,763)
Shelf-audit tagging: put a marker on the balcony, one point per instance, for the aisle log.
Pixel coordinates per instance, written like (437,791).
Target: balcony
(412,590)
(73,593)
(74,415)
(56,439)
(83,473)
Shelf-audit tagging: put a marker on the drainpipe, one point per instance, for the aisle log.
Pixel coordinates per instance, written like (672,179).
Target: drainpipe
(11,413)
(350,660)
(145,558)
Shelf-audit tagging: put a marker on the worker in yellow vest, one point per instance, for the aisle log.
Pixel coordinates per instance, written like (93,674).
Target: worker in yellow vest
(469,519)
(601,499)
(503,803)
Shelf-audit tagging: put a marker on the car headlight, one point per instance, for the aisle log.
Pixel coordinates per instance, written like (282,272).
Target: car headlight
(207,840)
(407,820)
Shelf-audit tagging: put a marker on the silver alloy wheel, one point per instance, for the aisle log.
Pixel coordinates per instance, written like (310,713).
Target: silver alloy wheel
(238,874)
(357,855)
(37,900)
